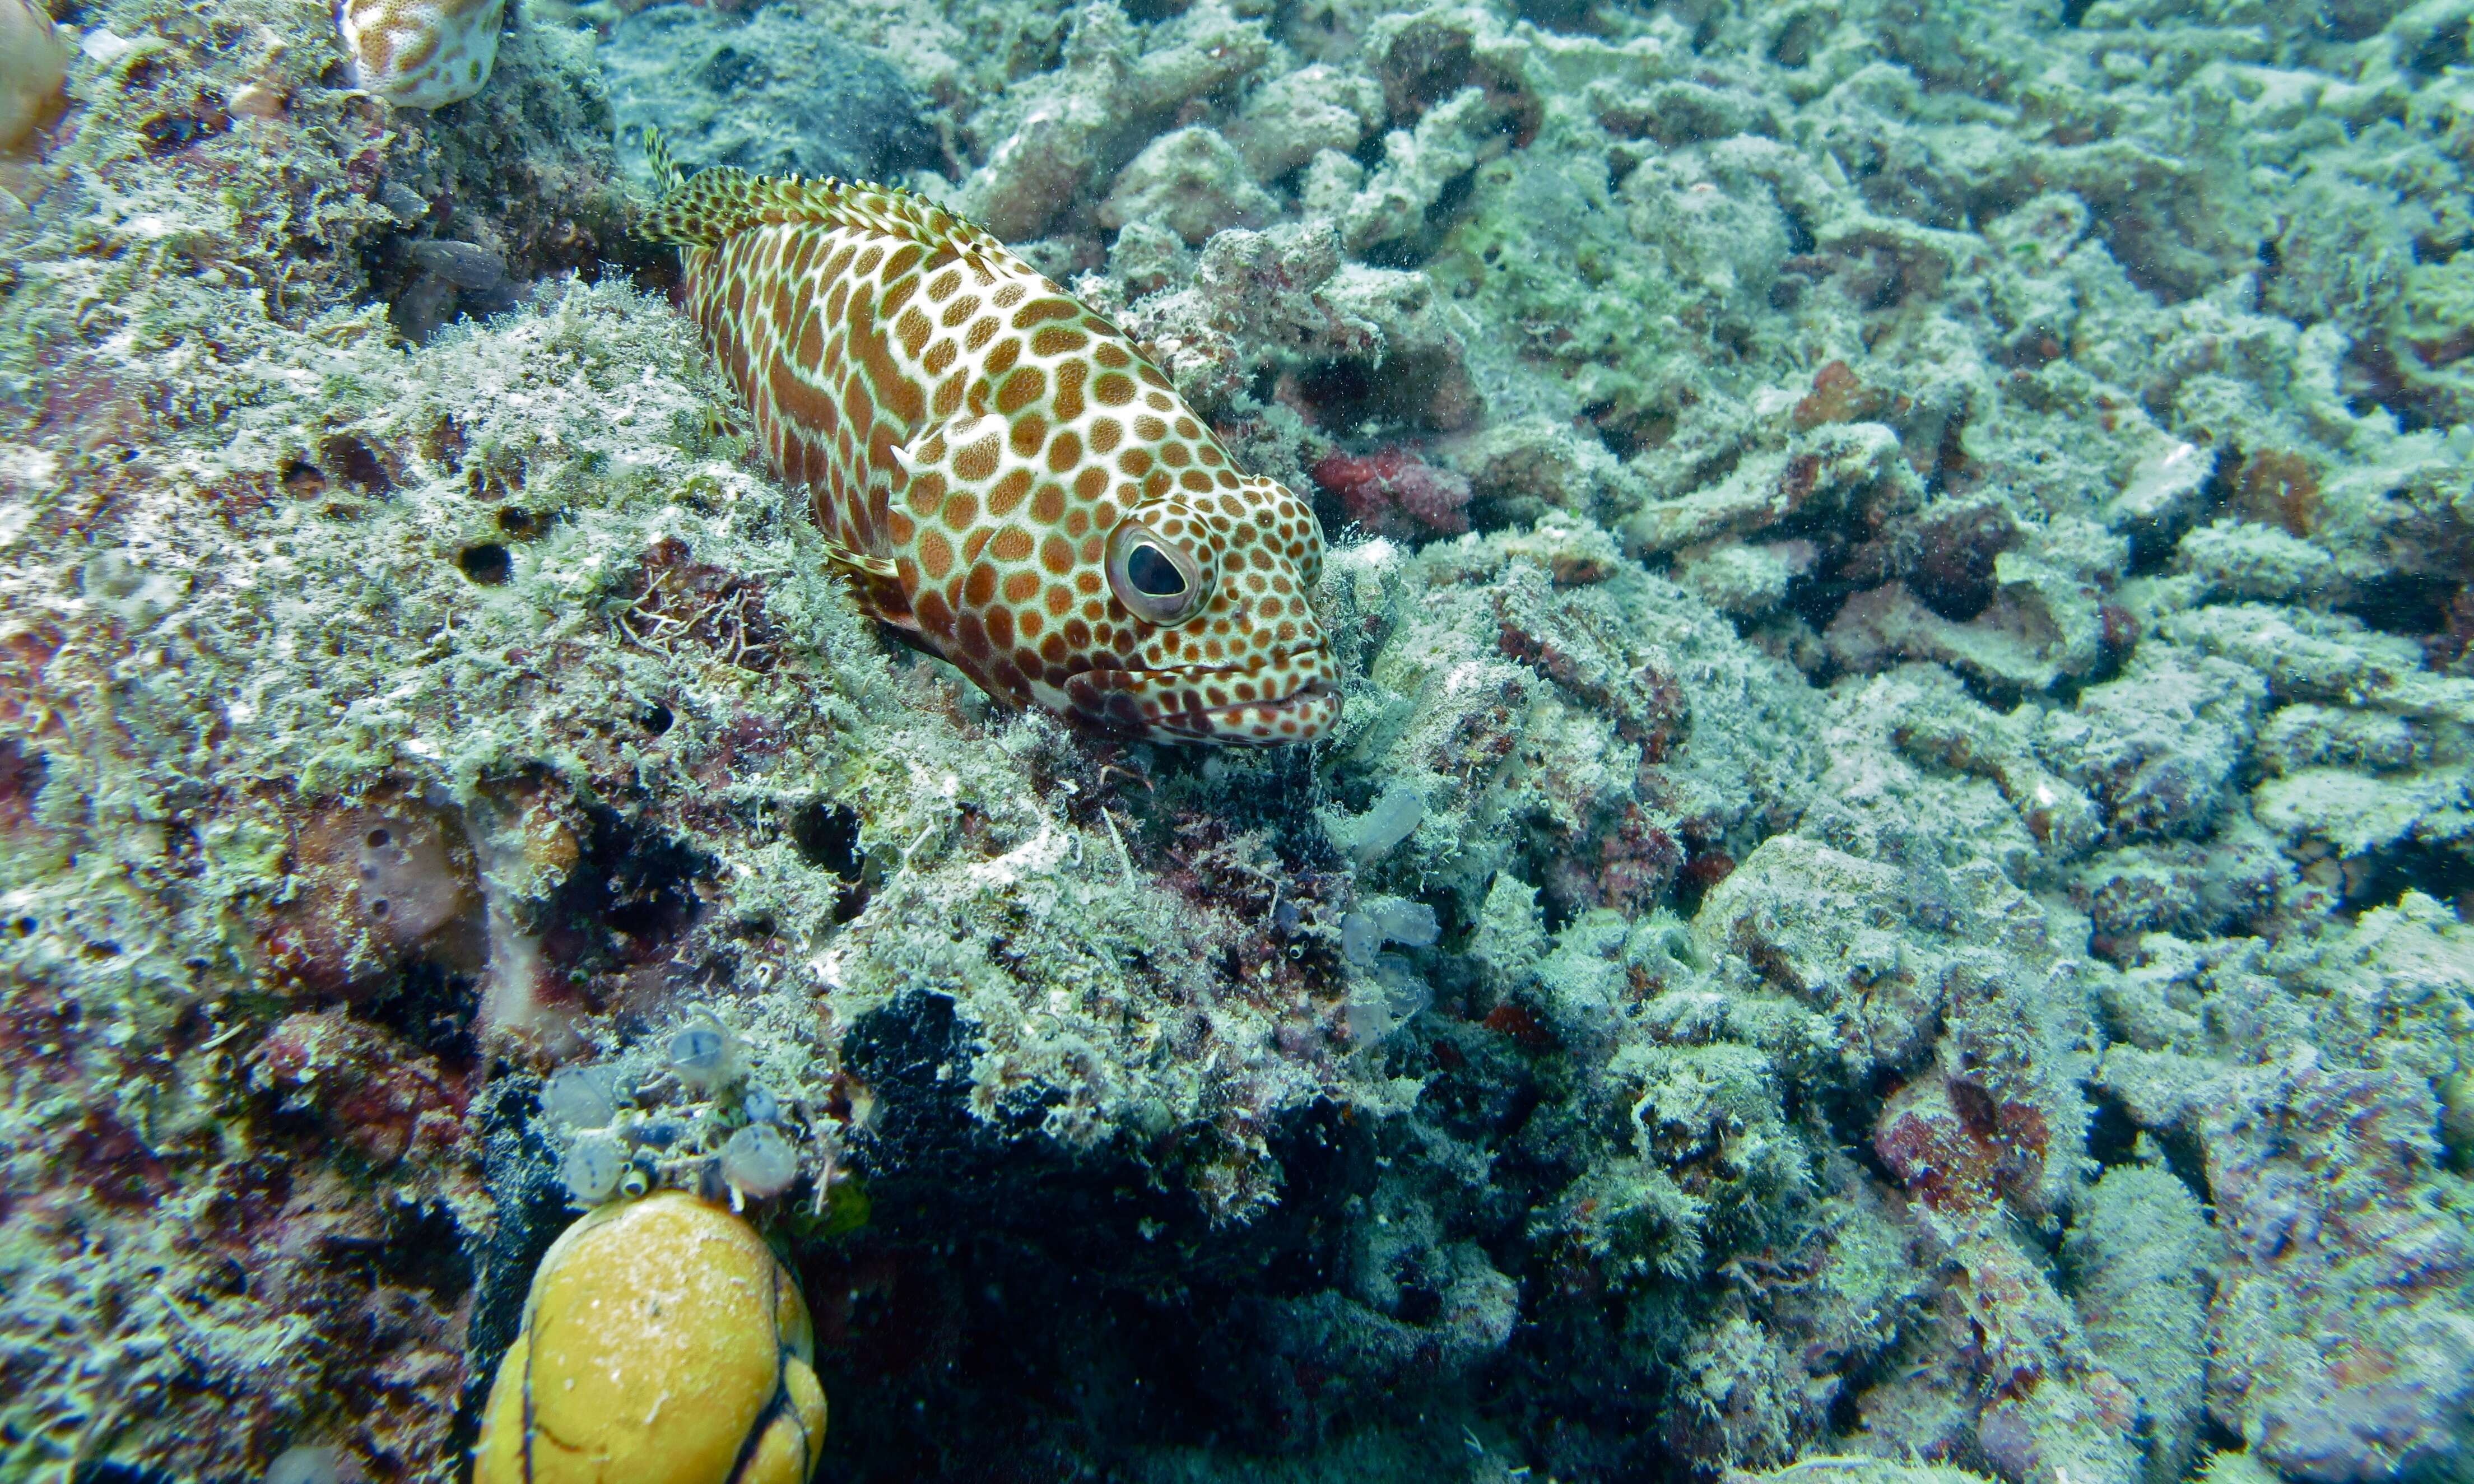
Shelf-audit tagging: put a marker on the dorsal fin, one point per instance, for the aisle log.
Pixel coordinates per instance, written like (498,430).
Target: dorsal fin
(667,173)
(713,206)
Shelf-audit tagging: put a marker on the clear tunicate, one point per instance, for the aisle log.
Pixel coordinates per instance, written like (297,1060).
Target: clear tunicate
(593,1166)
(1379,1003)
(1370,835)
(1387,919)
(306,1464)
(581,1097)
(760,1106)
(760,1160)
(1359,937)
(700,1055)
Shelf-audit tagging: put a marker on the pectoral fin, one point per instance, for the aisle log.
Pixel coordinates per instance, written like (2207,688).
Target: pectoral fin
(876,581)
(859,563)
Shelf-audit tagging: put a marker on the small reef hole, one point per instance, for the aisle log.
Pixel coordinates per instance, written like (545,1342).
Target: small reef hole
(172,132)
(302,480)
(2409,603)
(360,463)
(2434,871)
(487,563)
(826,837)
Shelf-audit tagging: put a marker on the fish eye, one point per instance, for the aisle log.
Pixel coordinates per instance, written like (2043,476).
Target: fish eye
(1158,580)
(1152,575)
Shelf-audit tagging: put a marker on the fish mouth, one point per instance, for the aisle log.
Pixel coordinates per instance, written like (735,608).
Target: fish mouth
(1309,700)
(1175,705)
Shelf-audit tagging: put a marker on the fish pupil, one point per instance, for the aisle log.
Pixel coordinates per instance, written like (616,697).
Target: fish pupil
(1152,574)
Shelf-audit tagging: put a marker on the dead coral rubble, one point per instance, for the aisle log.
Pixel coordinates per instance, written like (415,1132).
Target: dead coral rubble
(1887,905)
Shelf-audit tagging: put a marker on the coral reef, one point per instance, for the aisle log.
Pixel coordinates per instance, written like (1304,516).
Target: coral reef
(1888,901)
(771,92)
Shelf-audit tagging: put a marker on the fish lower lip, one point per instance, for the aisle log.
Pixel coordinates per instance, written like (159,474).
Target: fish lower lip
(1231,720)
(1317,685)
(1313,690)
(1293,699)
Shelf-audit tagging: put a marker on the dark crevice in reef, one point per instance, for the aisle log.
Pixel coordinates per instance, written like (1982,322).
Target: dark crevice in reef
(1054,1301)
(2383,878)
(996,1285)
(629,900)
(519,1172)
(2415,605)
(825,834)
(434,1009)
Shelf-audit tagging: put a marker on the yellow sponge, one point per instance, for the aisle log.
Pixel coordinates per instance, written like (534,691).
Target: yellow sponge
(662,1344)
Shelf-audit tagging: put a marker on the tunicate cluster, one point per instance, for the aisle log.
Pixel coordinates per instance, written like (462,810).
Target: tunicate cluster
(626,1130)
(1388,989)
(1370,835)
(1381,1002)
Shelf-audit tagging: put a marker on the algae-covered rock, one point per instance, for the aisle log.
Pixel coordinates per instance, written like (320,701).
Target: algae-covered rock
(2157,748)
(2389,1275)
(2141,1254)
(1190,181)
(1826,927)
(771,92)
(1886,903)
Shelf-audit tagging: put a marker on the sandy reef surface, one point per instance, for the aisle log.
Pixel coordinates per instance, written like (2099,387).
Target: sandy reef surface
(1888,906)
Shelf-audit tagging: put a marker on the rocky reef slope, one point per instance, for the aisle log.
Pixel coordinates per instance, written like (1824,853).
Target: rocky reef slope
(1890,892)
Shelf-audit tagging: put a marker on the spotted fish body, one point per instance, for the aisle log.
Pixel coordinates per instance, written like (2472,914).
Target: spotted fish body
(1001,472)
(420,54)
